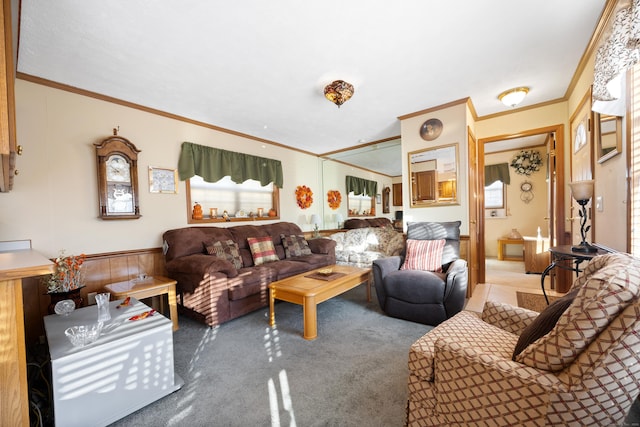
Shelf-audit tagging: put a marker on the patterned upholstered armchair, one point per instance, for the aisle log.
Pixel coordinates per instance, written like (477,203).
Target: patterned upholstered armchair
(426,296)
(579,362)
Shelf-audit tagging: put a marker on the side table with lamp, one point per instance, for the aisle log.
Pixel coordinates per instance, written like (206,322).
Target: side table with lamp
(569,257)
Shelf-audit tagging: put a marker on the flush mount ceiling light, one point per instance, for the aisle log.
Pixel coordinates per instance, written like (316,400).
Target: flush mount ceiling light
(513,97)
(338,92)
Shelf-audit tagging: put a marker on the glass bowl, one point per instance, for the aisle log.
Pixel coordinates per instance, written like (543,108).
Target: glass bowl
(84,334)
(64,307)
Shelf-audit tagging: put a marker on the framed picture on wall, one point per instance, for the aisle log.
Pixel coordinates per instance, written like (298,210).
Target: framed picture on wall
(163,180)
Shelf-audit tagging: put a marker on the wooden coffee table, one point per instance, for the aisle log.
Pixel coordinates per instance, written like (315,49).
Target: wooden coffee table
(309,292)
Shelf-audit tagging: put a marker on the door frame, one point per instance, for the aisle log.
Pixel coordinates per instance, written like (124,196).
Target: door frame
(555,188)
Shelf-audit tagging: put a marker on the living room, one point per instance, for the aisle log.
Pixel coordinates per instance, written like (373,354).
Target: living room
(54,200)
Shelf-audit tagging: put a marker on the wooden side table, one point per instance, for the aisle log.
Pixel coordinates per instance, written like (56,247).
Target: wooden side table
(502,242)
(146,288)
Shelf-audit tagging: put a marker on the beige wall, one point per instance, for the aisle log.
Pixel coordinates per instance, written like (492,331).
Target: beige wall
(54,201)
(334,179)
(454,130)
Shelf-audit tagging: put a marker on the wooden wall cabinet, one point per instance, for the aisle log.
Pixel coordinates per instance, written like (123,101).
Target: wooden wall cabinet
(8,145)
(397,194)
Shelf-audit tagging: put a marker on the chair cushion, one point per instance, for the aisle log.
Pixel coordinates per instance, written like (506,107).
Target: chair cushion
(605,294)
(262,250)
(544,323)
(424,255)
(295,245)
(227,249)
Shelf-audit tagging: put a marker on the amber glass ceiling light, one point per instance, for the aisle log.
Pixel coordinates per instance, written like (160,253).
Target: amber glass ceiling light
(513,97)
(338,92)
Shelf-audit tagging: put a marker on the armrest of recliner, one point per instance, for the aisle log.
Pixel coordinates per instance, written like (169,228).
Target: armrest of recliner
(383,266)
(456,362)
(507,317)
(456,289)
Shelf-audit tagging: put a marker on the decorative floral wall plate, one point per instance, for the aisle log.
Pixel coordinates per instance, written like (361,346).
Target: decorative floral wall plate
(431,129)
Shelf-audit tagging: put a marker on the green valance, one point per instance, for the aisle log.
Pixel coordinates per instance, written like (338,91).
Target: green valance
(499,172)
(361,186)
(213,164)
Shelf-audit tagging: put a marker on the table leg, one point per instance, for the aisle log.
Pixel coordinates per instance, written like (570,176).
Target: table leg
(173,306)
(368,286)
(310,315)
(272,313)
(544,274)
(500,251)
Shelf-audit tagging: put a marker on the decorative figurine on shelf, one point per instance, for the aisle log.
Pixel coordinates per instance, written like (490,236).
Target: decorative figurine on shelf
(197,211)
(225,215)
(213,213)
(272,213)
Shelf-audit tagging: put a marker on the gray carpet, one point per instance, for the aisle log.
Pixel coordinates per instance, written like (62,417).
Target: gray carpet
(243,373)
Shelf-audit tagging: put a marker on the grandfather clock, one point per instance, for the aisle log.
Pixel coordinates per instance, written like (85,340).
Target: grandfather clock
(117,162)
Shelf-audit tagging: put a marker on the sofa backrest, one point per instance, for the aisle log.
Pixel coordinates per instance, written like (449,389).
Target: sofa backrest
(352,223)
(185,241)
(450,231)
(190,240)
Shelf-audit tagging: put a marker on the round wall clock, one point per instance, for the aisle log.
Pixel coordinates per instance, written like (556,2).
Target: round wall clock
(526,189)
(431,129)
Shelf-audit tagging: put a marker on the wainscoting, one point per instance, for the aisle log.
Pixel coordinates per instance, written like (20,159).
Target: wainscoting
(99,270)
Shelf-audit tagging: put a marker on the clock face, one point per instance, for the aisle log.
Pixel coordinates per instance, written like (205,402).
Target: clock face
(118,169)
(525,186)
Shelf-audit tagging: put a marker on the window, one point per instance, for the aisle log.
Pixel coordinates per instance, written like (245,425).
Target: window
(494,196)
(361,205)
(634,162)
(242,202)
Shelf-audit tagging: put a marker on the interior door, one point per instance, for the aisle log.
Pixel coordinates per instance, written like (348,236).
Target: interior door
(581,159)
(476,252)
(555,190)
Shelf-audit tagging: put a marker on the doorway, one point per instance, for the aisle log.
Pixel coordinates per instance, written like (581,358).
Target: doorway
(553,167)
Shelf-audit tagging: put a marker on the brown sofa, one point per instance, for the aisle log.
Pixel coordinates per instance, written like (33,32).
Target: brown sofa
(352,223)
(212,290)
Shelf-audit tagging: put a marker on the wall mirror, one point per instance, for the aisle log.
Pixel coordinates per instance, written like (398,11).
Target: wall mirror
(433,176)
(608,134)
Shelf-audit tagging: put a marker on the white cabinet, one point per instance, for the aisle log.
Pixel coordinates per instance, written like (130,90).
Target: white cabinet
(128,367)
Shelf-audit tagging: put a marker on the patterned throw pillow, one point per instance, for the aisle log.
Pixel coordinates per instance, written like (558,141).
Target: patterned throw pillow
(295,245)
(424,255)
(226,250)
(544,323)
(262,250)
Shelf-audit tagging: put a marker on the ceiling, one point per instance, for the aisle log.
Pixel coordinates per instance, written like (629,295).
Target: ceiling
(259,68)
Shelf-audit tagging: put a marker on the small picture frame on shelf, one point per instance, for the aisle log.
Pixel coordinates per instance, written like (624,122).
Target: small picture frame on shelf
(162,180)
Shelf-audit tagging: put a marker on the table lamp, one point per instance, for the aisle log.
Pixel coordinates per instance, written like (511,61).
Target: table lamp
(582,191)
(315,220)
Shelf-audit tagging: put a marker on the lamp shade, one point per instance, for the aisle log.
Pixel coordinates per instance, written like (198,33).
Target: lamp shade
(315,219)
(513,97)
(582,190)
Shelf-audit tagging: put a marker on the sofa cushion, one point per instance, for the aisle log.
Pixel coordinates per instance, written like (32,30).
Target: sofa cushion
(227,249)
(606,292)
(262,250)
(424,255)
(544,323)
(295,245)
